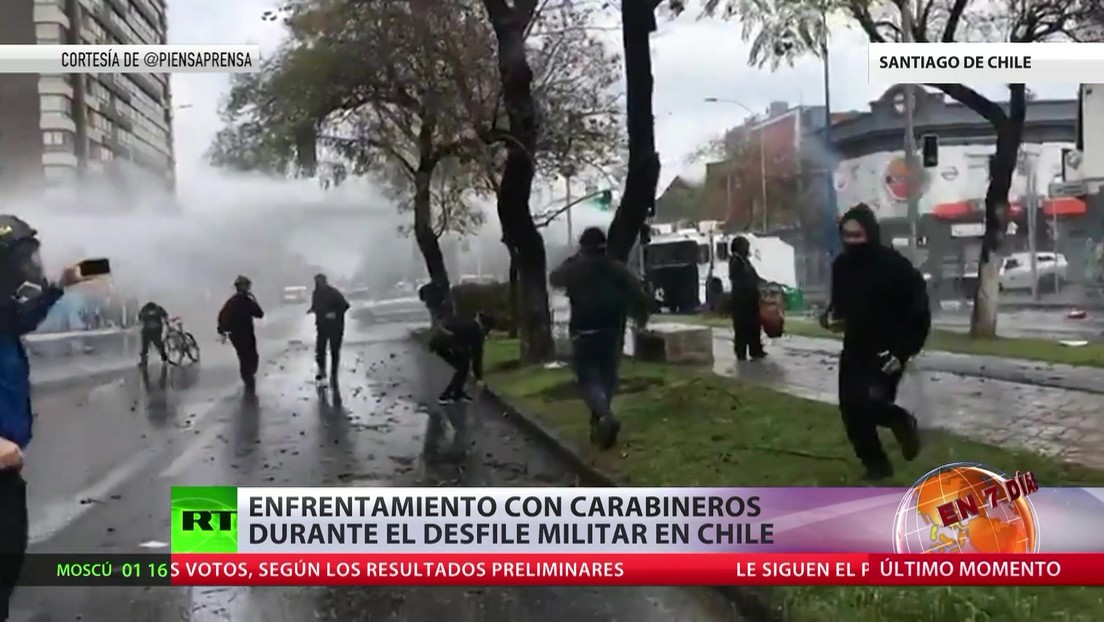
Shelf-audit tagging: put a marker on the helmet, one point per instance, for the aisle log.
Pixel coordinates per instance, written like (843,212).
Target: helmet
(242,281)
(14,231)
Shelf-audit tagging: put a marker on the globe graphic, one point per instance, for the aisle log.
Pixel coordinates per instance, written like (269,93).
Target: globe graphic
(1010,527)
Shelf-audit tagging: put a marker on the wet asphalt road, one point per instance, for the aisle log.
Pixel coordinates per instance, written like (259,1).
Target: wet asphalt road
(102,483)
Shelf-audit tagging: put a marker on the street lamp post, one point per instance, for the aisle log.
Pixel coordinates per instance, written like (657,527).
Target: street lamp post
(911,165)
(762,154)
(568,171)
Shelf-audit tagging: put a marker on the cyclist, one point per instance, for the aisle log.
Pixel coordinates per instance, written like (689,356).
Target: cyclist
(236,321)
(152,318)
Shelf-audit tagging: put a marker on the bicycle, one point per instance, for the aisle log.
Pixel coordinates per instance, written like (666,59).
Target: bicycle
(179,343)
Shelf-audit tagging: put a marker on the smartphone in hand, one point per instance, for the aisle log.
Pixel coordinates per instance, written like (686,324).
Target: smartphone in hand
(94,267)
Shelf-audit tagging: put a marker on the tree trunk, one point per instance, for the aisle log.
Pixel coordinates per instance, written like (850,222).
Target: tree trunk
(534,319)
(983,321)
(514,302)
(637,24)
(428,243)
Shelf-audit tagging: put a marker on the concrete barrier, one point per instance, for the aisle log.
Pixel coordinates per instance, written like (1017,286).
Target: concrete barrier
(108,343)
(674,343)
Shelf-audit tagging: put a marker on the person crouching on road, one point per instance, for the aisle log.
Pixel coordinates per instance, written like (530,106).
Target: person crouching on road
(880,302)
(460,341)
(329,307)
(746,326)
(26,298)
(152,318)
(236,321)
(602,292)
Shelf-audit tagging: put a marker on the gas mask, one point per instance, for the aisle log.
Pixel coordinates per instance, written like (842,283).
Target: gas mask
(24,277)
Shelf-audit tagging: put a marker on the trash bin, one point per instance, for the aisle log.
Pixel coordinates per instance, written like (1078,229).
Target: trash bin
(794,299)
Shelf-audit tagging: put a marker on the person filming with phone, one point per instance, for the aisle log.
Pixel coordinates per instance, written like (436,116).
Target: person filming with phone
(26,298)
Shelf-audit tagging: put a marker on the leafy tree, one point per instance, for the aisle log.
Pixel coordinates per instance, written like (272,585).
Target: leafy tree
(378,85)
(370,81)
(782,30)
(557,110)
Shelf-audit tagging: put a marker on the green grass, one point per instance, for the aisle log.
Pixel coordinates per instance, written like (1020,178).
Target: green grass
(688,427)
(1091,355)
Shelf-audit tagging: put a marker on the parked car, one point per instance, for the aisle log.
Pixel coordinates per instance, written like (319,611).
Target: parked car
(1051,270)
(1015,273)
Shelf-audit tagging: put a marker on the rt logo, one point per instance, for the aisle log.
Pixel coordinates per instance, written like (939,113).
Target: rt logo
(202,520)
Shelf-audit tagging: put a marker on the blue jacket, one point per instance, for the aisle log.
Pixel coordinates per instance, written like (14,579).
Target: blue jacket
(18,319)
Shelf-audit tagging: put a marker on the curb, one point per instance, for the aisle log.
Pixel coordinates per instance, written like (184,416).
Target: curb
(750,603)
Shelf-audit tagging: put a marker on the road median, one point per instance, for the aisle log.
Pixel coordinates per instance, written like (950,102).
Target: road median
(684,426)
(1025,349)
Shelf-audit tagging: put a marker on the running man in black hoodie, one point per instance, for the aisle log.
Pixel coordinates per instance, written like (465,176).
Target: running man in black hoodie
(329,307)
(603,293)
(880,302)
(236,321)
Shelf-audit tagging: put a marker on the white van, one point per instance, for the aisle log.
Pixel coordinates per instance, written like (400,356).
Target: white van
(294,295)
(1016,273)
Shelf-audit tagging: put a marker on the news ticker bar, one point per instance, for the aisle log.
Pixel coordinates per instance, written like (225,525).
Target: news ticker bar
(61,59)
(750,569)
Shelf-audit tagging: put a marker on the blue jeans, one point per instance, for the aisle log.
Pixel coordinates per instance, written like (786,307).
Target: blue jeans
(596,359)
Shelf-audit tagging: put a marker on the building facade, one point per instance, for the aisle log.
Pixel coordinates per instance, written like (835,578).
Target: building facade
(871,169)
(56,128)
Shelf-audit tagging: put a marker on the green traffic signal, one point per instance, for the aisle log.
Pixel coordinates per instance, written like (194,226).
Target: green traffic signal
(605,200)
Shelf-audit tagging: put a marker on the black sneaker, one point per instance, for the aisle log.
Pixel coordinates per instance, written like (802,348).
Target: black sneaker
(463,397)
(603,432)
(758,356)
(907,433)
(320,376)
(445,400)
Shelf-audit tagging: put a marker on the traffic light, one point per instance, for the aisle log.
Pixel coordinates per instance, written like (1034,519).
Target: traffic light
(651,210)
(931,151)
(605,200)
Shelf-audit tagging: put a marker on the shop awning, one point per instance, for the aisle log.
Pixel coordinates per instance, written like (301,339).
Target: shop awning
(953,211)
(1066,206)
(965,209)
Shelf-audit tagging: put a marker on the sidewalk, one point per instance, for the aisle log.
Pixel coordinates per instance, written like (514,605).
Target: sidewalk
(1036,373)
(1054,422)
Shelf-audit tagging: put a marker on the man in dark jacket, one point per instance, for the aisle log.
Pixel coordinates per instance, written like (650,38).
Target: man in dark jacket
(602,292)
(744,279)
(236,321)
(880,302)
(328,306)
(459,341)
(152,318)
(25,299)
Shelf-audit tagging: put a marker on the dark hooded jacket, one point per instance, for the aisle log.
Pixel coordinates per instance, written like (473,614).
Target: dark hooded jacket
(879,295)
(325,300)
(602,292)
(237,315)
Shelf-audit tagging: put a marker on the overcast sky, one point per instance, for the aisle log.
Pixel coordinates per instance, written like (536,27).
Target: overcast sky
(694,59)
